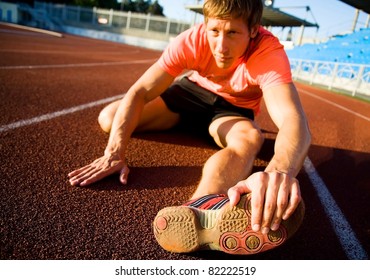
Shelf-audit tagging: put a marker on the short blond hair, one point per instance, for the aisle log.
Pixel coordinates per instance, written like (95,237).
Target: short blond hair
(249,10)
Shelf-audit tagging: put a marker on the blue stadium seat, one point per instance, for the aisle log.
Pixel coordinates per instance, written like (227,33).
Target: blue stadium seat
(349,48)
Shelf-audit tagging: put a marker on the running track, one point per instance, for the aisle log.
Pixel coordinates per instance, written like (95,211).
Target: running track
(51,91)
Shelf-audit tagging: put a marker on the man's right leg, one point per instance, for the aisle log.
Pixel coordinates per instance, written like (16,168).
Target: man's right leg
(155,116)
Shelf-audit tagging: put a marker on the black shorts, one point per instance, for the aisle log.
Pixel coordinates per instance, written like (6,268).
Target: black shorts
(197,105)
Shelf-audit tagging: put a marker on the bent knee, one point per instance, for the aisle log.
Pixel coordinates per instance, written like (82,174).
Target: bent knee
(104,121)
(236,132)
(245,137)
(105,118)
(257,136)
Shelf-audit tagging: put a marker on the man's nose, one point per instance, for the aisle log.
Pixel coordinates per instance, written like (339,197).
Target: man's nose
(221,46)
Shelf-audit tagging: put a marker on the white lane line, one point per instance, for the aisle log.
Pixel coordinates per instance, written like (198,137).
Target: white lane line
(335,105)
(342,228)
(53,115)
(76,65)
(118,52)
(38,30)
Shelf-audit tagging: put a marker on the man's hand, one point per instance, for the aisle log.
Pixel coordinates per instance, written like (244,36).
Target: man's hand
(99,169)
(274,197)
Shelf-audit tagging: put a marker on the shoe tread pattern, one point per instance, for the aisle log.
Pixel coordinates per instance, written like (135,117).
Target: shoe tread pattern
(235,220)
(231,233)
(180,235)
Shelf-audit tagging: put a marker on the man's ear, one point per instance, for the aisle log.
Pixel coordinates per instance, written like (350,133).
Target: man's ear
(254,30)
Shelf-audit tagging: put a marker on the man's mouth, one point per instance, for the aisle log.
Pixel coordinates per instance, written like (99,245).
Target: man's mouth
(222,58)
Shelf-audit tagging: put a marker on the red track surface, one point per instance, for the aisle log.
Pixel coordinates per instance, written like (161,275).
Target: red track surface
(43,217)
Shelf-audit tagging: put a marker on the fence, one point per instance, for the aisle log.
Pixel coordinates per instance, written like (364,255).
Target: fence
(351,78)
(115,21)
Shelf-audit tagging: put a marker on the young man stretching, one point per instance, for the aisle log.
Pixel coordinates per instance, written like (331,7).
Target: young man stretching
(235,63)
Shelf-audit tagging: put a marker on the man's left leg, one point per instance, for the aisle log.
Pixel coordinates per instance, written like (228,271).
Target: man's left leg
(240,140)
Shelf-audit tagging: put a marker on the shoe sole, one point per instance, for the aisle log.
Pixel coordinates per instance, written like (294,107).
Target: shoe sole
(185,229)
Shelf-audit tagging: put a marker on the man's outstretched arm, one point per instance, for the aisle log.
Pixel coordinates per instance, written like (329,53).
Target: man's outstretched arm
(129,113)
(276,191)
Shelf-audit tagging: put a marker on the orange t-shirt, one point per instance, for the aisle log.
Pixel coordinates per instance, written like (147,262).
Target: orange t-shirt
(265,64)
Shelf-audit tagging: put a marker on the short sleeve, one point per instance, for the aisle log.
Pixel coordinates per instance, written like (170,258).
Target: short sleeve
(270,65)
(182,52)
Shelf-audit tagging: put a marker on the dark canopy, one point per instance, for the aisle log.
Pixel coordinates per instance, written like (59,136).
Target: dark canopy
(270,17)
(275,17)
(363,5)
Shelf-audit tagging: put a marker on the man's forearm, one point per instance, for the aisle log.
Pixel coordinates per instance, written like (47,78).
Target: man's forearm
(149,86)
(291,147)
(124,123)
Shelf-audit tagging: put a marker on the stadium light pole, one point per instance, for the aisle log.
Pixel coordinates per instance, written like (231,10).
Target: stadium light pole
(308,11)
(195,13)
(357,13)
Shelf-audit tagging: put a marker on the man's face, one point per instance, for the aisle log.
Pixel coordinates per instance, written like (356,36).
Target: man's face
(228,40)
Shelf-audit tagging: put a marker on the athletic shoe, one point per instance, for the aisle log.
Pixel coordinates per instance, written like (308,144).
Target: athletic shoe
(209,223)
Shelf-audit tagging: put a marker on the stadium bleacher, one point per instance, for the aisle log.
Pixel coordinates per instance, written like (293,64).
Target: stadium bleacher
(348,48)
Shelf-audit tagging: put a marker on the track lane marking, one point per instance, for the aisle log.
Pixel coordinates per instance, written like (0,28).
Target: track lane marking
(73,65)
(350,244)
(118,52)
(46,117)
(342,228)
(335,105)
(33,29)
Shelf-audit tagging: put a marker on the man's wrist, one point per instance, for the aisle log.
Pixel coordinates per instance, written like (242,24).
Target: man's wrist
(113,151)
(274,166)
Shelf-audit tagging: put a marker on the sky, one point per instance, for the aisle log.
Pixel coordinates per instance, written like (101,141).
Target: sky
(333,16)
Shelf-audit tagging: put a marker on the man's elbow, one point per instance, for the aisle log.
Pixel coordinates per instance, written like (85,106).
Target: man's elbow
(307,137)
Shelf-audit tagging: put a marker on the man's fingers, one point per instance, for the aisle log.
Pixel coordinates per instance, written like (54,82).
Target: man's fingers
(98,173)
(97,170)
(294,200)
(93,177)
(281,205)
(124,175)
(82,174)
(256,185)
(269,208)
(236,191)
(78,171)
(274,197)
(258,199)
(80,179)
(281,202)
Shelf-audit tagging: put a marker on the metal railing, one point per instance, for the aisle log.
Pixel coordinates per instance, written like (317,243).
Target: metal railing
(38,18)
(349,78)
(116,21)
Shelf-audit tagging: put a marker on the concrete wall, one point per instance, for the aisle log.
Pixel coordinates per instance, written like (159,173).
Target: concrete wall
(126,39)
